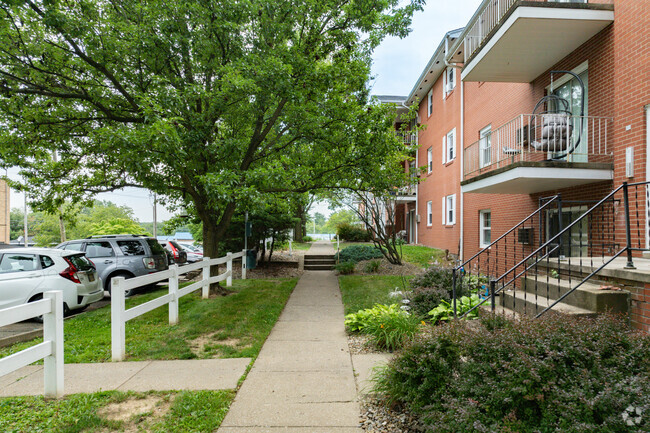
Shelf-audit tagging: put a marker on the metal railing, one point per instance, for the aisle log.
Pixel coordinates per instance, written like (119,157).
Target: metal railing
(574,255)
(407,137)
(539,137)
(489,17)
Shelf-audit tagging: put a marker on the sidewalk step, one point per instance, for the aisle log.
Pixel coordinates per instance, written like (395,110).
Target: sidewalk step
(319,256)
(331,262)
(318,267)
(526,303)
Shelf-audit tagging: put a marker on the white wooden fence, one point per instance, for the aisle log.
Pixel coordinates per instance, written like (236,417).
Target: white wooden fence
(120,315)
(50,350)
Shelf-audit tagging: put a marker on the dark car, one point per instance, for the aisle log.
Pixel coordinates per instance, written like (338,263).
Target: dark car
(178,254)
(121,255)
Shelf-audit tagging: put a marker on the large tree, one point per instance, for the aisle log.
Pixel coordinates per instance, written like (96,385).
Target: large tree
(214,104)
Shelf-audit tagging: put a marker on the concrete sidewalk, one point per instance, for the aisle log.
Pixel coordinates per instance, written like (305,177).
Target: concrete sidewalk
(303,380)
(202,374)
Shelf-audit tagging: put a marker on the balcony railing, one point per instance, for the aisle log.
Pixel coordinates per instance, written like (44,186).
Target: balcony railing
(540,137)
(407,190)
(407,137)
(489,17)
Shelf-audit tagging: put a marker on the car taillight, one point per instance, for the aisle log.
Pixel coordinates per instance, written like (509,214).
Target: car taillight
(70,272)
(149,262)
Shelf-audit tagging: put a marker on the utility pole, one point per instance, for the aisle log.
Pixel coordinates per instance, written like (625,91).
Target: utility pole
(155,218)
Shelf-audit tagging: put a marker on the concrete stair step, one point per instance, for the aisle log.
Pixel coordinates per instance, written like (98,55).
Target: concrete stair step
(525,303)
(330,262)
(318,267)
(588,296)
(319,256)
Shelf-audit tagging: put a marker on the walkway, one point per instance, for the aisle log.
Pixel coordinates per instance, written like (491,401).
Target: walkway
(303,379)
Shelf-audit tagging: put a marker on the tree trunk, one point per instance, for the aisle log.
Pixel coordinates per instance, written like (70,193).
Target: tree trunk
(298,230)
(62,228)
(211,238)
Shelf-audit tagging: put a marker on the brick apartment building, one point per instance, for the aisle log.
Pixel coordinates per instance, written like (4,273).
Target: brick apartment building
(490,160)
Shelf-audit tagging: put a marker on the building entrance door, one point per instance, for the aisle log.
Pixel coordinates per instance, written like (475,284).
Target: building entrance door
(576,241)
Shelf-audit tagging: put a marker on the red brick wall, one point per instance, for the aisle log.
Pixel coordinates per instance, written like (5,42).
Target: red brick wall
(444,180)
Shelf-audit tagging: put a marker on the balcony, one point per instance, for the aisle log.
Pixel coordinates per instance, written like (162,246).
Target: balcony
(406,194)
(517,40)
(535,153)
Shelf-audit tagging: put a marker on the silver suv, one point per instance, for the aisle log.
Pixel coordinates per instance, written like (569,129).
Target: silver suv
(121,255)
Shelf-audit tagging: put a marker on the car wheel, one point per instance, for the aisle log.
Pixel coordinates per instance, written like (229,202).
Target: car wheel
(126,275)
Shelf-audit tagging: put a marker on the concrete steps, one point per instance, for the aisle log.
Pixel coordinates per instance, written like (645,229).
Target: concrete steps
(319,262)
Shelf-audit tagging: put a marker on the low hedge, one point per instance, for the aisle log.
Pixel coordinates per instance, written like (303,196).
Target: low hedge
(357,253)
(554,374)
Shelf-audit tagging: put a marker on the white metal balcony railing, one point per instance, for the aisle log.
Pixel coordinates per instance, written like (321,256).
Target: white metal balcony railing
(540,137)
(406,191)
(489,17)
(408,138)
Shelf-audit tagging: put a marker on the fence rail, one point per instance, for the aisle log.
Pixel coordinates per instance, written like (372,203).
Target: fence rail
(50,350)
(120,315)
(540,137)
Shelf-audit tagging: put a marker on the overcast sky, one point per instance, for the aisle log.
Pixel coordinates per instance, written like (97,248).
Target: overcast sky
(397,64)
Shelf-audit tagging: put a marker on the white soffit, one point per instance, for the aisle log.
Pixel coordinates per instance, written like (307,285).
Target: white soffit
(532,40)
(530,180)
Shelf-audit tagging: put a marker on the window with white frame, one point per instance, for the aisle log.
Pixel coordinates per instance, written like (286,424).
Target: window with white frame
(450,209)
(449,81)
(430,103)
(485,228)
(449,146)
(485,146)
(429,160)
(429,213)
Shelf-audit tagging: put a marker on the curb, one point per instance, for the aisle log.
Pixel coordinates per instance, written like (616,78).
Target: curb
(19,338)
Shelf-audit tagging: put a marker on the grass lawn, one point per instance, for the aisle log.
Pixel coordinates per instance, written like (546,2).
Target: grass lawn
(415,254)
(160,412)
(234,326)
(298,246)
(364,291)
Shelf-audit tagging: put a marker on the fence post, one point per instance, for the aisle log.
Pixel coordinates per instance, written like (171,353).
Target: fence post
(173,295)
(229,270)
(205,289)
(118,334)
(53,332)
(290,247)
(243,265)
(628,236)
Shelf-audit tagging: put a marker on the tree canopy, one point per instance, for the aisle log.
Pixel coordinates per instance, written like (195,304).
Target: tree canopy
(216,105)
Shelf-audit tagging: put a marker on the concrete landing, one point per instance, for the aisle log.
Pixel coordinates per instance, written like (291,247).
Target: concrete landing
(202,374)
(302,380)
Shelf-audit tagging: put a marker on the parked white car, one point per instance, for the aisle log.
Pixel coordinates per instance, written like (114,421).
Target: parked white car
(193,255)
(27,273)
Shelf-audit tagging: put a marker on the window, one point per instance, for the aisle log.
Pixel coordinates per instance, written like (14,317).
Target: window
(73,246)
(98,249)
(131,248)
(46,262)
(449,146)
(442,210)
(485,228)
(429,160)
(17,262)
(485,146)
(451,209)
(429,213)
(449,81)
(430,103)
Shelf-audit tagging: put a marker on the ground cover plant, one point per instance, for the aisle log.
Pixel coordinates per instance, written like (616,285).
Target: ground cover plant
(555,374)
(389,326)
(187,411)
(345,268)
(232,326)
(357,253)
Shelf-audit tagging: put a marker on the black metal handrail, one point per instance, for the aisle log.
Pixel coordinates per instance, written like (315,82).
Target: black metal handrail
(458,269)
(554,243)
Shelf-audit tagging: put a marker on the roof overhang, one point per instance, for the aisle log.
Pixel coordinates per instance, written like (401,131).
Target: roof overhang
(534,38)
(524,178)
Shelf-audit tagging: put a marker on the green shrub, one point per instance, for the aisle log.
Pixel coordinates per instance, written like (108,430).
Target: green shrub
(307,239)
(554,374)
(345,268)
(372,266)
(434,277)
(357,253)
(425,299)
(445,311)
(351,233)
(388,325)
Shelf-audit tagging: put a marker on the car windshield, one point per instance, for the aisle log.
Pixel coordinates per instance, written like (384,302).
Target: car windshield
(156,248)
(81,262)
